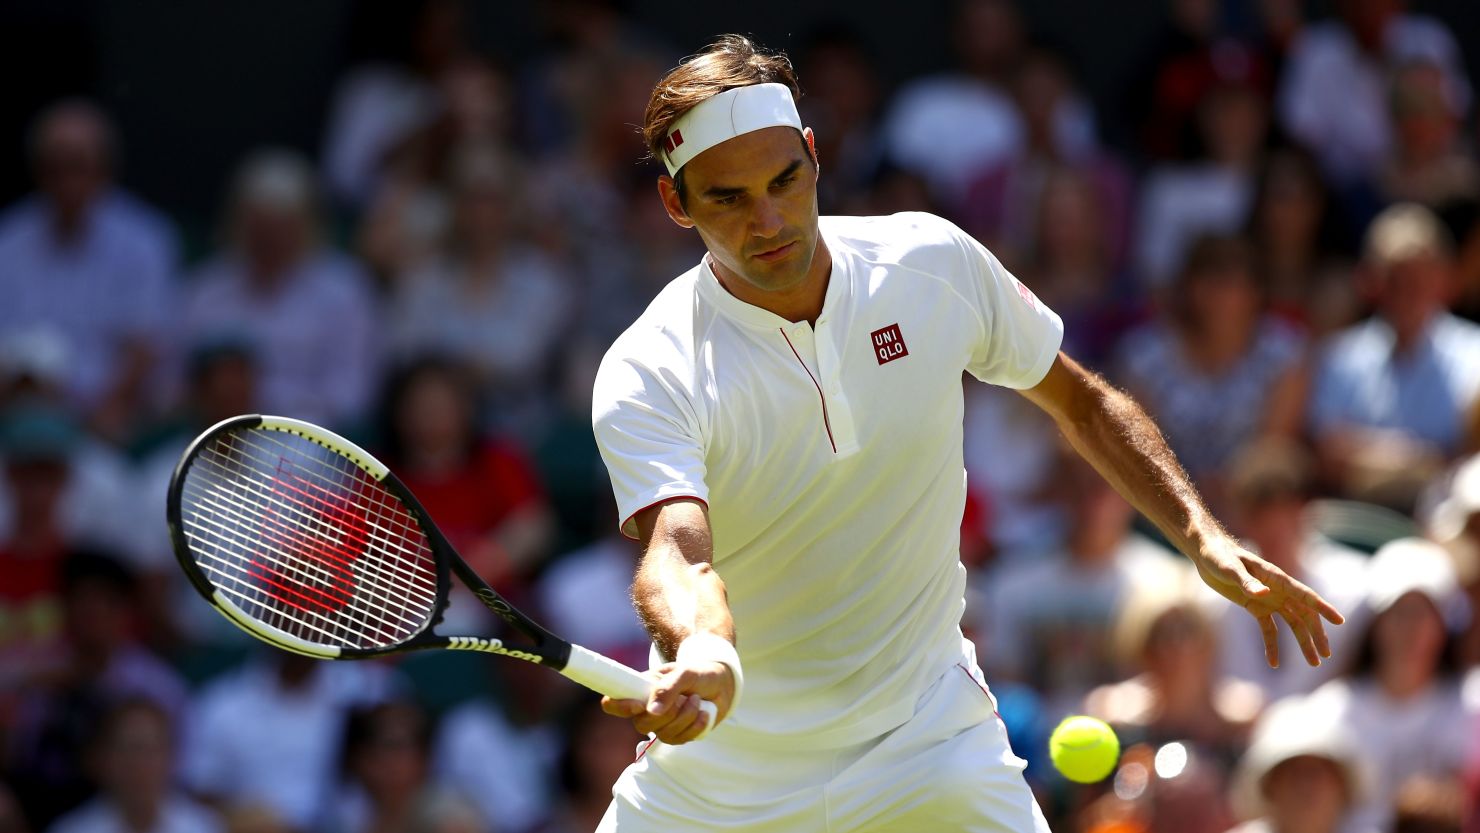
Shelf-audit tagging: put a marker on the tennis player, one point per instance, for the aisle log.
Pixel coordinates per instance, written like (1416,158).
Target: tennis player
(783,430)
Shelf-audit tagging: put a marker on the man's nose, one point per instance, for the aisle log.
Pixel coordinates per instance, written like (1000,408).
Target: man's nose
(765,220)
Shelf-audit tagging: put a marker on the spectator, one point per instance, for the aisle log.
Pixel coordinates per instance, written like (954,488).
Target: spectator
(1303,773)
(1048,618)
(594,752)
(842,106)
(943,126)
(410,215)
(1216,346)
(221,382)
(1402,697)
(91,265)
(95,663)
(1429,805)
(305,310)
(585,596)
(1177,697)
(1333,96)
(1270,484)
(1428,165)
(378,104)
(132,759)
(481,489)
(267,734)
(491,300)
(1180,67)
(1301,246)
(512,799)
(1004,204)
(1391,393)
(1211,193)
(386,756)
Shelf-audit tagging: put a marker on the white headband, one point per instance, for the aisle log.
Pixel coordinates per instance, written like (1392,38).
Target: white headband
(725,116)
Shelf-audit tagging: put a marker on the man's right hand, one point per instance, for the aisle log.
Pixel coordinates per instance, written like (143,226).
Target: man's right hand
(672,710)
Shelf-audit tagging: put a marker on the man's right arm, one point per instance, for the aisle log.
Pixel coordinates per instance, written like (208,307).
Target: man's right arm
(682,602)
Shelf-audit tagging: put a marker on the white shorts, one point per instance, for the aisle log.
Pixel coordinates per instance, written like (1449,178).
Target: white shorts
(949,768)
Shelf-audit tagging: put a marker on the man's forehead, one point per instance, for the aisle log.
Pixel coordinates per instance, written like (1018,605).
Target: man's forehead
(759,154)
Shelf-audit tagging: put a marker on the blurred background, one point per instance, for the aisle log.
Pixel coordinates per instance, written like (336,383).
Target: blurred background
(421,223)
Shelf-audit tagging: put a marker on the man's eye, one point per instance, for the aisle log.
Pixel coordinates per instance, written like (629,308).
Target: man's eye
(782,183)
(730,200)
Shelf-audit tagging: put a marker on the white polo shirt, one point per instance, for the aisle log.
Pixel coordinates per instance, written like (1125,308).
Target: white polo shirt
(830,458)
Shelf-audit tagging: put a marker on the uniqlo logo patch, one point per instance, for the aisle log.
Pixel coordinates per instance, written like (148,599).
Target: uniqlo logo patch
(672,141)
(888,344)
(1026,293)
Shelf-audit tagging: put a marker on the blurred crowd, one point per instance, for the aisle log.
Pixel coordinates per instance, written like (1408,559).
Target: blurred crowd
(1273,242)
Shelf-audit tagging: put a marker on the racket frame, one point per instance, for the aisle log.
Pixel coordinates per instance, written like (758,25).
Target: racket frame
(546,648)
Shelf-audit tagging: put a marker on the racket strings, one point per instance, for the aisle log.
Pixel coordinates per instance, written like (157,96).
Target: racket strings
(304,540)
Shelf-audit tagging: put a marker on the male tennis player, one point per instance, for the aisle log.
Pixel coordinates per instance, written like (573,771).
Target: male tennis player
(782,427)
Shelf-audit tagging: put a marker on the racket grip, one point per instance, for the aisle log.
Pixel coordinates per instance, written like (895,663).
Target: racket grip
(607,676)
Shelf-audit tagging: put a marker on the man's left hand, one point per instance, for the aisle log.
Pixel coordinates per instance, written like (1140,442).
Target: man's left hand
(1266,591)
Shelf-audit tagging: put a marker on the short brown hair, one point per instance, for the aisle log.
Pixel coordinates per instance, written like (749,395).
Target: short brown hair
(730,62)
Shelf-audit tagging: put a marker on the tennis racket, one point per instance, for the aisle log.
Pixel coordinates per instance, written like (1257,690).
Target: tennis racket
(305,541)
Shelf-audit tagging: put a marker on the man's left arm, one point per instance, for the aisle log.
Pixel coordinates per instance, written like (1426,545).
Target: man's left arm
(1116,436)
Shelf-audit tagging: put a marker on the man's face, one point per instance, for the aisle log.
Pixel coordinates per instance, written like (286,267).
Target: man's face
(753,200)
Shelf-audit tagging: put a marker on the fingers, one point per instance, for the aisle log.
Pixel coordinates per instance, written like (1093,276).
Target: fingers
(623,708)
(681,723)
(1271,636)
(1302,634)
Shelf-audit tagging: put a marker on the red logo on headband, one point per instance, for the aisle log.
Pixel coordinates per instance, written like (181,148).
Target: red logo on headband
(672,141)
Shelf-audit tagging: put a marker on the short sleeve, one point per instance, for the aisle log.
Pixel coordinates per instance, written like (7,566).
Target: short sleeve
(1020,334)
(648,436)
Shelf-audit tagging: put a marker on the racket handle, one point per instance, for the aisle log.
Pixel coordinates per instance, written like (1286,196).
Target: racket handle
(617,681)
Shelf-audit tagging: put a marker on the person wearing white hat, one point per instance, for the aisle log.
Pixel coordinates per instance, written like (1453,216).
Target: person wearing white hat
(1303,772)
(783,431)
(1402,699)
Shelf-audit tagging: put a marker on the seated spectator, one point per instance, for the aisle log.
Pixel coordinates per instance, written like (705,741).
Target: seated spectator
(1390,394)
(1212,192)
(511,799)
(268,734)
(132,760)
(377,104)
(1304,772)
(481,489)
(94,663)
(306,311)
(491,300)
(1430,805)
(1004,204)
(1402,696)
(1270,484)
(594,752)
(386,757)
(842,106)
(1301,245)
(1429,166)
(1177,697)
(1217,345)
(221,382)
(1047,619)
(91,265)
(1333,95)
(943,126)
(585,596)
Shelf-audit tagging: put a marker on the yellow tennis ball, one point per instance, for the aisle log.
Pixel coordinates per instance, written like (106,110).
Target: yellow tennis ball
(1084,749)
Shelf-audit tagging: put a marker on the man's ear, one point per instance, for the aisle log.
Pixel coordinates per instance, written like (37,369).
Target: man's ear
(811,139)
(669,194)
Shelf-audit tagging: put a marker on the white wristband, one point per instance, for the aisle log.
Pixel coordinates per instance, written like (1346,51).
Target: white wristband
(705,646)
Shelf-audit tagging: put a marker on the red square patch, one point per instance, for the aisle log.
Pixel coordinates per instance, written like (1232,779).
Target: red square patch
(888,344)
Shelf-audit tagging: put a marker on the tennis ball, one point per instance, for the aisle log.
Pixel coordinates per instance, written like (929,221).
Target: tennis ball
(1084,749)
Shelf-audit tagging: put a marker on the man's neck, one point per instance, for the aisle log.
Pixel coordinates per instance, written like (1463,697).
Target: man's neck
(802,302)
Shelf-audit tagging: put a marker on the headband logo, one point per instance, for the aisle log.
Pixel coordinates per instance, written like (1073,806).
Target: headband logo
(672,141)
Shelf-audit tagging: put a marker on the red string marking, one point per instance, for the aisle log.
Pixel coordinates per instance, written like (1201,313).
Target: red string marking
(332,536)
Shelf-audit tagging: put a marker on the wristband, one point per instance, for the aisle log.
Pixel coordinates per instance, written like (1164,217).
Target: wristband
(705,646)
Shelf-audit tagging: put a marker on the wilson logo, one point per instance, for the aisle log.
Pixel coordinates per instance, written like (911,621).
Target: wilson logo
(888,344)
(490,646)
